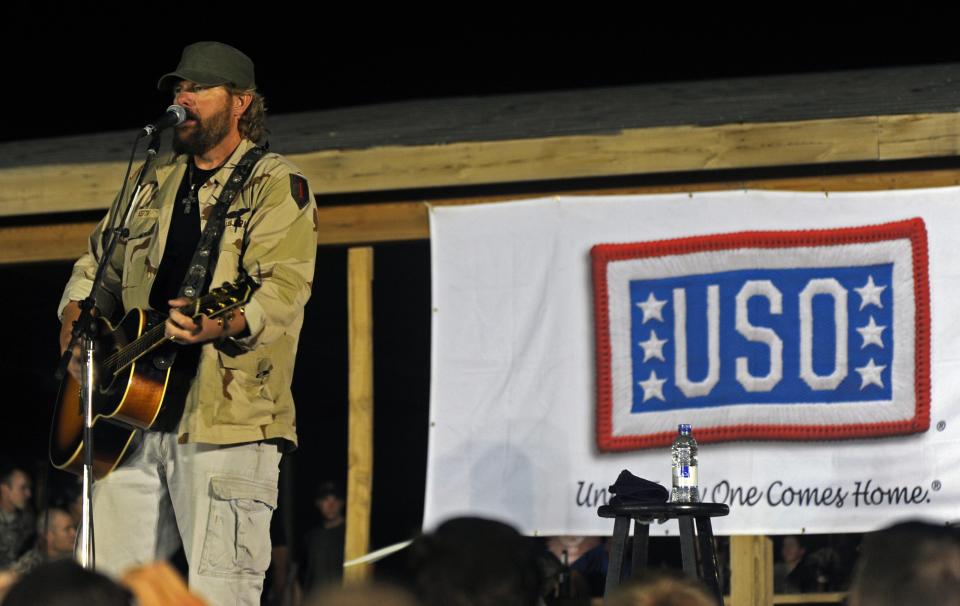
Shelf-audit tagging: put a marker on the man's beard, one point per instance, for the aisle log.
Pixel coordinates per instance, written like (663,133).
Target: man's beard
(204,136)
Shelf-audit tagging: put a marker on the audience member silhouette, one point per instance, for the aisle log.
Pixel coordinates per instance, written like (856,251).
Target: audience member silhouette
(476,562)
(908,563)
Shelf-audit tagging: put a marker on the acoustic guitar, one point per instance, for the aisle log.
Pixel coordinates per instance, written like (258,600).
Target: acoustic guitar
(132,365)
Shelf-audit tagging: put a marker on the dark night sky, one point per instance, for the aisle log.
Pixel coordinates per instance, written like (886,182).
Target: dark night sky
(65,76)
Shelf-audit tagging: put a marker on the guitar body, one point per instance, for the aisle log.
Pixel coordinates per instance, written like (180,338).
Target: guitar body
(132,371)
(129,399)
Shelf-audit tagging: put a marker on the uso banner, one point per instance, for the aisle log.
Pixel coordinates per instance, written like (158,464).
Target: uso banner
(812,340)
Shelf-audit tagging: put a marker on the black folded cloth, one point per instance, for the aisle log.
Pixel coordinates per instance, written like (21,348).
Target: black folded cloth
(633,490)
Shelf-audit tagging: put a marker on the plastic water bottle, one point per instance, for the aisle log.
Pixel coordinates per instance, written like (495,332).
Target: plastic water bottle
(684,455)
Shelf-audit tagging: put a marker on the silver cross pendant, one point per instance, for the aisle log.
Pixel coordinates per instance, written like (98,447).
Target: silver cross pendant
(188,203)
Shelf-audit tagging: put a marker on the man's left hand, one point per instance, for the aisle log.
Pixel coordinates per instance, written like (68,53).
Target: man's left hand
(181,329)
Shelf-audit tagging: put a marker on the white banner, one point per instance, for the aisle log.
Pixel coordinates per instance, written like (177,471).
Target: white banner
(805,337)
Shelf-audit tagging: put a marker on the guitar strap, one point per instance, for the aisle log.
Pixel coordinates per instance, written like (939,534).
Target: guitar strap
(201,266)
(208,248)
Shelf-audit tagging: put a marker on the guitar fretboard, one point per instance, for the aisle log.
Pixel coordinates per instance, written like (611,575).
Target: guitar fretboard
(126,356)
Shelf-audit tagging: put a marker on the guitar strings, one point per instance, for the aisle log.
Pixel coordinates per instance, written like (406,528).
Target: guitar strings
(145,342)
(134,350)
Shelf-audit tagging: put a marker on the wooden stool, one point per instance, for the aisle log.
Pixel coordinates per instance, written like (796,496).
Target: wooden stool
(686,515)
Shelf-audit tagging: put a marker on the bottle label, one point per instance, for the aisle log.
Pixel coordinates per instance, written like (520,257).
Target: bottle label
(685,475)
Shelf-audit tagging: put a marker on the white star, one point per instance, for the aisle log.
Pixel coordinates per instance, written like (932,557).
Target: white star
(652,387)
(652,309)
(871,333)
(870,293)
(653,347)
(870,374)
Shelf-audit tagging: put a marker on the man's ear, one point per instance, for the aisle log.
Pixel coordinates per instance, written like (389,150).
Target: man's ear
(241,102)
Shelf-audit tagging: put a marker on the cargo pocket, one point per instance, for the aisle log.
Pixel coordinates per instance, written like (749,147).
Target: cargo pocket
(237,541)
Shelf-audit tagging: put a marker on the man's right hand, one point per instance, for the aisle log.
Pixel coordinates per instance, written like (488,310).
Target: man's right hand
(70,314)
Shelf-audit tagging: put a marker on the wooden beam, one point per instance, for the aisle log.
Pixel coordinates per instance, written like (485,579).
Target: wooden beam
(383,222)
(53,242)
(629,152)
(637,151)
(360,438)
(810,598)
(919,136)
(751,571)
(59,188)
(399,221)
(408,220)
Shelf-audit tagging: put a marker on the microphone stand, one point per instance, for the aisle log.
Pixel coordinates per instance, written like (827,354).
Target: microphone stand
(85,331)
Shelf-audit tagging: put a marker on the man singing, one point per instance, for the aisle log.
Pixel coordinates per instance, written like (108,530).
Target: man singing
(209,479)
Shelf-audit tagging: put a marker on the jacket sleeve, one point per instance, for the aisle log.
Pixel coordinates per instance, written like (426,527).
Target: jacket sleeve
(280,252)
(85,269)
(109,296)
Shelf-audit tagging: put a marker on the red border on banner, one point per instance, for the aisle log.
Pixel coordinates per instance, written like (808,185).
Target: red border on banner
(911,229)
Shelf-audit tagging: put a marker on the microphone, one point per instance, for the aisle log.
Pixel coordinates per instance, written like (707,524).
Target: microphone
(174,116)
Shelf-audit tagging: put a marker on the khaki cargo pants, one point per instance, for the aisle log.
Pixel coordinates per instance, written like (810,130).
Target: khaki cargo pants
(220,498)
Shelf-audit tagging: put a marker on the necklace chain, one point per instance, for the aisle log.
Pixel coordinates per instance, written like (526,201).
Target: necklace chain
(191,195)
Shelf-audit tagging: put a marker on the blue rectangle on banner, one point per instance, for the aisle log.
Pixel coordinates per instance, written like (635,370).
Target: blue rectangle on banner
(759,336)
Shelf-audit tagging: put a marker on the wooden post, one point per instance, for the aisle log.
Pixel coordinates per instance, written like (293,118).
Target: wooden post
(751,571)
(360,439)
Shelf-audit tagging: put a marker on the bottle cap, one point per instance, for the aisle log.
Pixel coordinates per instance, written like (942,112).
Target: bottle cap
(684,428)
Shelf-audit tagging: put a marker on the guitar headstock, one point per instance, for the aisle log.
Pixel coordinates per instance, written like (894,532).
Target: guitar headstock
(222,299)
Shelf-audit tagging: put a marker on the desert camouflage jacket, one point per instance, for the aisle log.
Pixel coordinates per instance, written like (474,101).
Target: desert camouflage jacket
(241,392)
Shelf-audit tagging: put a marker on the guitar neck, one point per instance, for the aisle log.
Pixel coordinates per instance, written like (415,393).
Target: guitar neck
(217,302)
(151,339)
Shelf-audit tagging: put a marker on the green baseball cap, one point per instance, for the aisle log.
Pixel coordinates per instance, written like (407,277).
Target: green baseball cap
(211,64)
